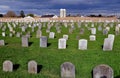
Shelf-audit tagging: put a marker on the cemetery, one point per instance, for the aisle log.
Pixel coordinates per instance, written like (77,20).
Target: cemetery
(60,49)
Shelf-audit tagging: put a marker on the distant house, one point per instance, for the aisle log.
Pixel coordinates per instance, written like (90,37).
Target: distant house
(49,16)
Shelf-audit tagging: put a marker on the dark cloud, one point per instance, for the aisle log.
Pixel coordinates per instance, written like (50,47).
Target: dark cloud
(53,6)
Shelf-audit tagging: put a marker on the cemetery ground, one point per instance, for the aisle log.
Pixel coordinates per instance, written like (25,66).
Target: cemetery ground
(49,59)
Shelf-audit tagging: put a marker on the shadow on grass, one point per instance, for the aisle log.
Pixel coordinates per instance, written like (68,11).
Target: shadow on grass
(16,66)
(117,76)
(92,73)
(48,44)
(6,43)
(39,67)
(30,43)
(102,46)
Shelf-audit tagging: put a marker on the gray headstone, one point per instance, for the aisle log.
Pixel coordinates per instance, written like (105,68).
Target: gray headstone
(81,31)
(99,28)
(2,43)
(7,66)
(82,44)
(67,70)
(24,41)
(10,34)
(62,43)
(108,44)
(43,41)
(102,71)
(105,31)
(70,30)
(38,34)
(32,67)
(23,29)
(18,34)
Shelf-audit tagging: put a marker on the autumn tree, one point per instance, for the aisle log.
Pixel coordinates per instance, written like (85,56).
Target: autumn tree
(10,14)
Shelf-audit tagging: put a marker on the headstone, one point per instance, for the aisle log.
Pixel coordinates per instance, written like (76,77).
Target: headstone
(3,34)
(7,66)
(2,43)
(99,28)
(77,37)
(108,44)
(23,29)
(92,37)
(28,35)
(67,70)
(51,35)
(65,37)
(81,31)
(111,36)
(105,32)
(70,30)
(24,41)
(32,67)
(62,43)
(43,41)
(102,71)
(59,31)
(82,44)
(93,30)
(108,28)
(10,34)
(47,30)
(38,34)
(18,34)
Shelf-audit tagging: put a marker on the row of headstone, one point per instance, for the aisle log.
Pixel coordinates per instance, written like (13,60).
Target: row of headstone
(67,69)
(100,71)
(32,66)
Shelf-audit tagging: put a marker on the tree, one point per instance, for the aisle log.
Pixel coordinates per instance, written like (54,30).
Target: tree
(1,15)
(22,14)
(10,14)
(32,15)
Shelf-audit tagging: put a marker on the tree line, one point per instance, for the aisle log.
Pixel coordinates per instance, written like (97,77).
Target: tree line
(13,14)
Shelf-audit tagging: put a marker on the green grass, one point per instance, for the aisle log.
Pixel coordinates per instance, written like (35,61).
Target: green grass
(51,57)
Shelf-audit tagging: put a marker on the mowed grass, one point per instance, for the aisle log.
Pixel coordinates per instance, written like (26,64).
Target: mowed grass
(51,57)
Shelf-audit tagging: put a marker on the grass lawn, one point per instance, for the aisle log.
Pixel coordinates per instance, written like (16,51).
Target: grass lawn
(51,57)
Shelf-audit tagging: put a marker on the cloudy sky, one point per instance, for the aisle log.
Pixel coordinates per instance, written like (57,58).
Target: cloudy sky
(52,6)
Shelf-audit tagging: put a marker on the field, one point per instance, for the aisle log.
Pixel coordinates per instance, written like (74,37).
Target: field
(51,58)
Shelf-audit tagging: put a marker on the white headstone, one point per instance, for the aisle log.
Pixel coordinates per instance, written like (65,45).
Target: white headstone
(93,30)
(7,66)
(92,37)
(32,67)
(65,37)
(62,43)
(3,34)
(43,41)
(2,43)
(24,41)
(51,35)
(108,44)
(82,44)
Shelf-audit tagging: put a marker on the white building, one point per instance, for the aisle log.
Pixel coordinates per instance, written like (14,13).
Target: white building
(62,13)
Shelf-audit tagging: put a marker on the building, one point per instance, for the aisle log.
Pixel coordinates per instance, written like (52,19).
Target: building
(62,13)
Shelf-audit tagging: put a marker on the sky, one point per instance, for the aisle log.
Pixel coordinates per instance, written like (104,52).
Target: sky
(41,7)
